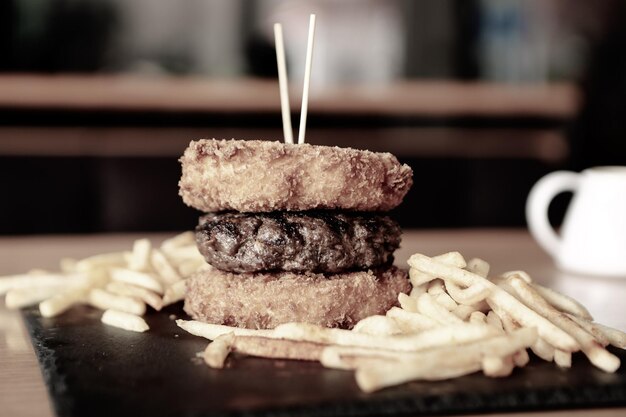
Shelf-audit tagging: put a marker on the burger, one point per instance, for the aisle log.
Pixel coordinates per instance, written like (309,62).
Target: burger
(293,233)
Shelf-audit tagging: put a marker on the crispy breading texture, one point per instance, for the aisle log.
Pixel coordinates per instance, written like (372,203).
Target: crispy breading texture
(265,300)
(263,176)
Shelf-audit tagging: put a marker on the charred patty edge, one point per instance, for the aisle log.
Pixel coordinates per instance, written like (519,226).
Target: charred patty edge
(316,241)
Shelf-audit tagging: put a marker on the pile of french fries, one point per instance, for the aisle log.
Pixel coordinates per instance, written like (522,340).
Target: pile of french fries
(122,284)
(457,320)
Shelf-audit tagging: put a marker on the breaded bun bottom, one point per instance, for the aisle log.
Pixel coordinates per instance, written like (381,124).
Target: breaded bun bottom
(265,300)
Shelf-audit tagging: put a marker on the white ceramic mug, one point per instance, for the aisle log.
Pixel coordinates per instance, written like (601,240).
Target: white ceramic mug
(593,235)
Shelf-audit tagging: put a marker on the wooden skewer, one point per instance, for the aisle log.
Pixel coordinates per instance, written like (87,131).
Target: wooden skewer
(282,82)
(307,79)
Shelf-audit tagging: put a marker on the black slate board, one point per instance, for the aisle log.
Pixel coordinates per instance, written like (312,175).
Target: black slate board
(95,370)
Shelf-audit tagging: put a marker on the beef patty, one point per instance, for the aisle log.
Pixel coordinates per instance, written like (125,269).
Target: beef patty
(319,242)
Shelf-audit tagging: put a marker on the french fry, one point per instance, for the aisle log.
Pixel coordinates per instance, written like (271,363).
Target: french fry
(478,317)
(497,366)
(481,306)
(590,328)
(468,296)
(128,257)
(598,356)
(502,283)
(520,358)
(494,321)
(217,351)
(522,274)
(27,281)
(24,297)
(129,271)
(422,264)
(368,353)
(478,267)
(180,240)
(164,269)
(63,301)
(442,364)
(441,356)
(213,331)
(331,358)
(350,358)
(542,349)
(150,298)
(68,265)
(377,326)
(453,334)
(446,301)
(105,260)
(264,347)
(190,267)
(410,322)
(379,376)
(77,293)
(527,317)
(175,293)
(417,291)
(407,303)
(429,307)
(125,321)
(463,312)
(183,253)
(616,337)
(96,278)
(140,279)
(562,302)
(140,257)
(104,300)
(435,287)
(452,259)
(419,278)
(507,322)
(521,313)
(562,359)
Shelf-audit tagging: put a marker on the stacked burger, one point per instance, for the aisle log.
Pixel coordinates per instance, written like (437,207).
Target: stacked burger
(293,233)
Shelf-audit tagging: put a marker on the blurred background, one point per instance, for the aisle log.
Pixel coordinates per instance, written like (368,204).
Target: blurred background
(98,99)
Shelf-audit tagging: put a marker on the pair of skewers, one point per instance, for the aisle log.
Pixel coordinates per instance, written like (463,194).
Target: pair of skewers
(283,84)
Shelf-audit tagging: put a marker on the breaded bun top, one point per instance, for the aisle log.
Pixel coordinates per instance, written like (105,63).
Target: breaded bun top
(263,176)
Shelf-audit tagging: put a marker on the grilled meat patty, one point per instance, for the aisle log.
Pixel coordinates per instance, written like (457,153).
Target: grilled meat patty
(265,300)
(319,242)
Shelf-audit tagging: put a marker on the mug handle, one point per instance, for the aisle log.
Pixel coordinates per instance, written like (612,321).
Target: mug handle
(537,205)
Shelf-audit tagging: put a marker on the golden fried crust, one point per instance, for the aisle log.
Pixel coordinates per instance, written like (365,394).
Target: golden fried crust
(265,300)
(263,176)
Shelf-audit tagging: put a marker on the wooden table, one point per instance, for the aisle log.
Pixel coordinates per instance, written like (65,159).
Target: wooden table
(23,393)
(243,95)
(126,115)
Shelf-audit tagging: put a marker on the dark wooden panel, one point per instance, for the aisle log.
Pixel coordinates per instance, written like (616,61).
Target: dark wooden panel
(116,194)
